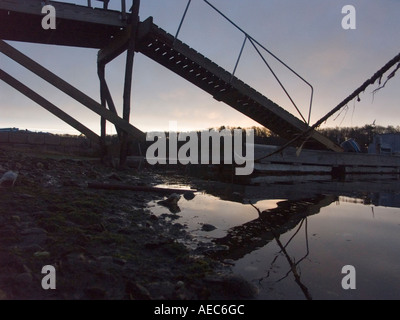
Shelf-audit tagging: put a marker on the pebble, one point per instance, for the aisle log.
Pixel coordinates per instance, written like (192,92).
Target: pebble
(24,278)
(189,195)
(137,291)
(238,286)
(106,260)
(208,227)
(34,236)
(95,293)
(33,231)
(180,284)
(3,295)
(229,262)
(42,254)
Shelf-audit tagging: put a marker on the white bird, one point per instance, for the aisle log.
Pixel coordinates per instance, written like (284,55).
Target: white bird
(8,179)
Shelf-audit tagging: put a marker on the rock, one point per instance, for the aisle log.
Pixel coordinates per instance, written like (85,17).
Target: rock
(70,183)
(119,261)
(49,181)
(234,286)
(172,200)
(24,278)
(171,203)
(95,293)
(136,291)
(208,227)
(12,262)
(170,216)
(162,289)
(189,195)
(42,254)
(26,196)
(179,285)
(33,231)
(16,218)
(153,217)
(33,236)
(230,262)
(3,295)
(106,260)
(114,176)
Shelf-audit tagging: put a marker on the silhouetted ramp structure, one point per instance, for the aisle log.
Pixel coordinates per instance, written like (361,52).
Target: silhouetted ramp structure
(162,47)
(114,32)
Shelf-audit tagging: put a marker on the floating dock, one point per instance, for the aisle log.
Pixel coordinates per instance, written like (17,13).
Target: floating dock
(319,163)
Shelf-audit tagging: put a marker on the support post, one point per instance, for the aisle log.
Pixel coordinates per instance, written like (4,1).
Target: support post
(130,54)
(103,122)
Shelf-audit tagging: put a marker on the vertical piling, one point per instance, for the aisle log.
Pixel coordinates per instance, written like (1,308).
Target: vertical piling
(130,54)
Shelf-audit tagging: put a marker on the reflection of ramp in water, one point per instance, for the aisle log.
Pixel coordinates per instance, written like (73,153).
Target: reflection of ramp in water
(373,189)
(252,235)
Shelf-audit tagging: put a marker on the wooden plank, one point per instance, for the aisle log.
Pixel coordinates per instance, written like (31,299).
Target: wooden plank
(48,106)
(120,186)
(68,89)
(66,11)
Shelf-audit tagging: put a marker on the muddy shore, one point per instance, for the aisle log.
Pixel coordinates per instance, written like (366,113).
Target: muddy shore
(103,244)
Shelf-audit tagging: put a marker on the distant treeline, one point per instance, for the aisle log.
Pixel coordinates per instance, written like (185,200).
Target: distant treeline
(362,135)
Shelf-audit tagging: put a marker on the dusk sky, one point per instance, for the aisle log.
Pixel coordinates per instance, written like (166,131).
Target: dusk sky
(306,34)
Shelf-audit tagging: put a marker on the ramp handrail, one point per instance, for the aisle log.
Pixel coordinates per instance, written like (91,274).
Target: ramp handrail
(256,44)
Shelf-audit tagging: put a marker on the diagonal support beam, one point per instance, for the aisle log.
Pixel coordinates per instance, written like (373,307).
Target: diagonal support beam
(48,106)
(106,97)
(65,87)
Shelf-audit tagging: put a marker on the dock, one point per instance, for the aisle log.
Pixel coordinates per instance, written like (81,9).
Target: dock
(290,162)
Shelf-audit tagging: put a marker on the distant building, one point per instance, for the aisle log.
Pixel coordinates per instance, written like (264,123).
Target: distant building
(9,129)
(388,143)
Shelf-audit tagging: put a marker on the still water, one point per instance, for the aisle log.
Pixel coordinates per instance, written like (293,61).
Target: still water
(292,241)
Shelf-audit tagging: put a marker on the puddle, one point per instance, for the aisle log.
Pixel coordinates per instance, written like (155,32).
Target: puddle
(315,235)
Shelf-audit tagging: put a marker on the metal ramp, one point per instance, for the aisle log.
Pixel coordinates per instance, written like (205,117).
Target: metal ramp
(175,55)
